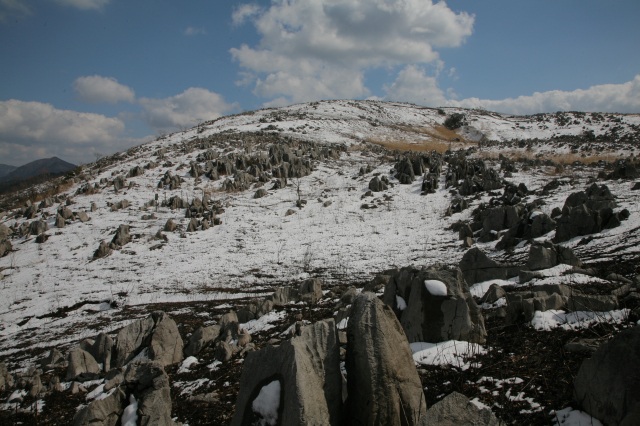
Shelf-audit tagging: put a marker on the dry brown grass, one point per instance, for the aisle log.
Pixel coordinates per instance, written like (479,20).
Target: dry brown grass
(560,158)
(422,139)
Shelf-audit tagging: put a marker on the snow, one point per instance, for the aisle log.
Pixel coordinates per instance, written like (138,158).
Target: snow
(400,303)
(263,323)
(479,289)
(551,319)
(187,364)
(436,287)
(451,352)
(267,403)
(130,414)
(570,417)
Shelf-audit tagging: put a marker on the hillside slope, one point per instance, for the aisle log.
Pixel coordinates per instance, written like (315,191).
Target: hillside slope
(254,230)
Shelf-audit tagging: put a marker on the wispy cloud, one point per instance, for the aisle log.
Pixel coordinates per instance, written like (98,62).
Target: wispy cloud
(11,8)
(98,89)
(193,31)
(244,12)
(85,4)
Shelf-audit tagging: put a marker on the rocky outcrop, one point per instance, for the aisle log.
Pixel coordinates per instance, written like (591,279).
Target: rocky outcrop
(547,255)
(383,385)
(456,409)
(434,305)
(157,334)
(150,385)
(122,236)
(103,412)
(308,371)
(201,338)
(82,365)
(588,212)
(522,305)
(477,267)
(607,384)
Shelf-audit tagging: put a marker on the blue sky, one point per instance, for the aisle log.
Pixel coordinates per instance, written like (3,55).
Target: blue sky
(87,77)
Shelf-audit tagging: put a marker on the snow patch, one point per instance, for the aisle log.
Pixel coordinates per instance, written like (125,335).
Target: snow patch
(400,302)
(451,352)
(570,417)
(130,414)
(267,403)
(436,287)
(187,364)
(552,318)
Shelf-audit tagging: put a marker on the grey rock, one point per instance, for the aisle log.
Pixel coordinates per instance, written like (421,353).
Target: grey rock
(455,409)
(310,291)
(285,295)
(592,302)
(101,350)
(377,185)
(170,225)
(157,333)
(82,216)
(522,305)
(82,366)
(122,236)
(150,385)
(384,387)
(36,386)
(223,351)
(435,318)
(37,227)
(607,384)
(583,345)
(260,193)
(60,222)
(201,338)
(494,293)
(104,412)
(52,360)
(308,367)
(477,267)
(103,250)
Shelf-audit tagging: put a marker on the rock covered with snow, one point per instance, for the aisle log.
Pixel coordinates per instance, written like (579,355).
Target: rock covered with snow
(439,305)
(457,409)
(307,367)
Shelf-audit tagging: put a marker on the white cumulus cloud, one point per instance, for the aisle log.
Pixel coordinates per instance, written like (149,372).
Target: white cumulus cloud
(414,85)
(309,42)
(98,89)
(30,130)
(184,110)
(244,12)
(623,98)
(85,4)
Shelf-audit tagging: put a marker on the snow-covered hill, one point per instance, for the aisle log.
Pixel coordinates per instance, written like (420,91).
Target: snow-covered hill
(321,224)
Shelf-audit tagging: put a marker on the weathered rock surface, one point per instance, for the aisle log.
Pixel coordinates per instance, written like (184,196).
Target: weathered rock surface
(456,409)
(607,384)
(82,365)
(150,385)
(383,385)
(435,317)
(103,412)
(200,338)
(308,369)
(477,267)
(157,333)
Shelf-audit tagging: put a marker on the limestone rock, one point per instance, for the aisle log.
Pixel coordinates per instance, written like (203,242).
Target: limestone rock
(431,317)
(456,409)
(82,365)
(384,387)
(308,369)
(607,384)
(103,412)
(200,338)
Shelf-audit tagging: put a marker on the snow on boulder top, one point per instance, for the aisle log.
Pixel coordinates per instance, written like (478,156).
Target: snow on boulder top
(435,287)
(267,403)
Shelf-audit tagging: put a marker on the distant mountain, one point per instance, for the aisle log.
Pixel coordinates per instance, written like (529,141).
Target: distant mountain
(45,166)
(5,169)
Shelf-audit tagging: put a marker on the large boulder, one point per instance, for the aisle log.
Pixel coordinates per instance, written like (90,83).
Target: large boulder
(434,305)
(607,384)
(547,255)
(103,412)
(477,267)
(101,350)
(150,385)
(310,291)
(122,236)
(383,384)
(201,338)
(157,334)
(82,365)
(456,409)
(522,305)
(306,370)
